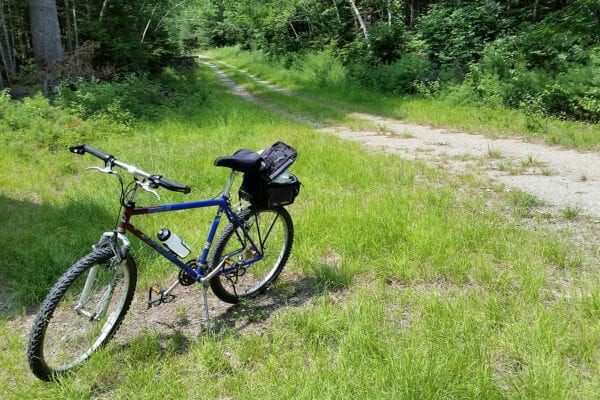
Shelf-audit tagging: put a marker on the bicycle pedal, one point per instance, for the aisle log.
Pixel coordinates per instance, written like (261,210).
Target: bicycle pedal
(157,289)
(160,292)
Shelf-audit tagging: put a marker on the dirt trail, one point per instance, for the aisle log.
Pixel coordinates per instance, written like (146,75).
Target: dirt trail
(559,177)
(562,178)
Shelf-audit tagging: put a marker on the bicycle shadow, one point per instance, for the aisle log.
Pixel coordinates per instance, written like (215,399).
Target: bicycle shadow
(176,333)
(253,314)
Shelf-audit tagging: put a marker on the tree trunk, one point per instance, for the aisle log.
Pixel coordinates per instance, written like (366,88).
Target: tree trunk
(69,28)
(7,53)
(75,28)
(7,45)
(103,9)
(45,31)
(337,13)
(361,23)
(159,24)
(294,30)
(5,63)
(148,24)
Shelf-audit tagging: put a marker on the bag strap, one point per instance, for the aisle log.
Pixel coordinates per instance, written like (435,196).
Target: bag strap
(277,158)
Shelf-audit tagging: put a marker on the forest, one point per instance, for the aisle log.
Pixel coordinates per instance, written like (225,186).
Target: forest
(541,55)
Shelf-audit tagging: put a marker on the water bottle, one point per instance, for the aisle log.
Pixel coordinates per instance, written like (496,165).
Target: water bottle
(173,242)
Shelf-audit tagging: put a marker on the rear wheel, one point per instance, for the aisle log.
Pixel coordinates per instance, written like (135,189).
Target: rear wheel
(272,232)
(81,313)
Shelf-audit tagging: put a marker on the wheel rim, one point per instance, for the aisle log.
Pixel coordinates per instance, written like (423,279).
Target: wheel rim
(269,231)
(71,335)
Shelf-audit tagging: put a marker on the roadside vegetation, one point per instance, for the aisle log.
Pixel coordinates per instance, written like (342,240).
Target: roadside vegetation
(424,289)
(326,81)
(539,57)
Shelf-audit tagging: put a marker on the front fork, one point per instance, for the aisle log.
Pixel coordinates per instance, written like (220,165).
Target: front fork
(121,251)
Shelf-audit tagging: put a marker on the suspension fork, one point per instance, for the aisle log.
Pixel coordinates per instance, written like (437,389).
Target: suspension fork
(120,252)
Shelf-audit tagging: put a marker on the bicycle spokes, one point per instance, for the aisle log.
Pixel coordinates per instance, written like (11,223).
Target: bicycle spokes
(251,260)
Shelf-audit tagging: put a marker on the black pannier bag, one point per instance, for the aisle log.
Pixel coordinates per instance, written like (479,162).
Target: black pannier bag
(272,186)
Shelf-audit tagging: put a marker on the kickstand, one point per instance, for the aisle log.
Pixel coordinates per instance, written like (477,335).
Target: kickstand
(206,315)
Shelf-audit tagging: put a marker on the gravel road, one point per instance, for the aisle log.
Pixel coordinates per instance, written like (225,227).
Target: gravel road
(559,177)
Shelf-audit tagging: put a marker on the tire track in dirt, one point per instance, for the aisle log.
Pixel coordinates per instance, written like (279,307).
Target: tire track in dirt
(559,177)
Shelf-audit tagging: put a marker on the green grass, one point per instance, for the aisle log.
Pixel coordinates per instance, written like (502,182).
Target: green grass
(326,80)
(571,212)
(309,109)
(425,291)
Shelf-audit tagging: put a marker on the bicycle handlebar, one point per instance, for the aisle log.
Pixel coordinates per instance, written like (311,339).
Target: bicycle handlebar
(84,148)
(110,160)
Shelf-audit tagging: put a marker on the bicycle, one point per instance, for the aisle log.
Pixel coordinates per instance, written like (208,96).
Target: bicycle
(86,306)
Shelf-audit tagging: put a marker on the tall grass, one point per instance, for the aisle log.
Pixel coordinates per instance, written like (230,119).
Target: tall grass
(425,291)
(437,109)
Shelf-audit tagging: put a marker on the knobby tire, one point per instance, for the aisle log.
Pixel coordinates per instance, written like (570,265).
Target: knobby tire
(273,231)
(62,337)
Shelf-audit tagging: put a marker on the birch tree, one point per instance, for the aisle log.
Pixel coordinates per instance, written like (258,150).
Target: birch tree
(361,23)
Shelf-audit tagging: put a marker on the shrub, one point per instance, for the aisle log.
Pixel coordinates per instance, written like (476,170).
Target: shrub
(122,101)
(477,88)
(388,41)
(320,68)
(455,36)
(400,77)
(575,93)
(33,123)
(505,77)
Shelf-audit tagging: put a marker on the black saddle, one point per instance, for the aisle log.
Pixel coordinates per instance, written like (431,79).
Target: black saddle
(244,160)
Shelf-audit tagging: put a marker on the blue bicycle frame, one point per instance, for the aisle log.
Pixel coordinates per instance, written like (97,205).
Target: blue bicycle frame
(200,273)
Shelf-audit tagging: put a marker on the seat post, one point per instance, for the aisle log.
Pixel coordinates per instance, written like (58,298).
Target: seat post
(229,184)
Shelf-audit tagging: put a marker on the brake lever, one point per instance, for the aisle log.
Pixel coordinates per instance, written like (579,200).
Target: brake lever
(147,186)
(105,170)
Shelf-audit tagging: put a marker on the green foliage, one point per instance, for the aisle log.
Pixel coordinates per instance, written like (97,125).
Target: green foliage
(34,123)
(453,36)
(133,35)
(89,109)
(320,68)
(504,78)
(389,42)
(119,101)
(399,77)
(543,56)
(562,38)
(132,97)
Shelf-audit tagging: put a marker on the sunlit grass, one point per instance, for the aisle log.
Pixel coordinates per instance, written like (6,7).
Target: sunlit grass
(436,111)
(426,291)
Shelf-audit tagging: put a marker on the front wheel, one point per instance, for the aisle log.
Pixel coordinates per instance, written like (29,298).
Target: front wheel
(81,313)
(246,272)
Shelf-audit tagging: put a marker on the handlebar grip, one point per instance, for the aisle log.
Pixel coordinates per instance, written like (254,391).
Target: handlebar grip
(108,159)
(84,148)
(170,185)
